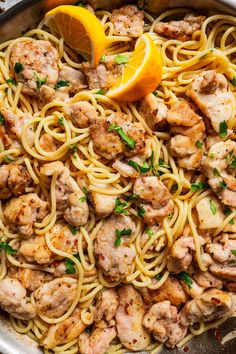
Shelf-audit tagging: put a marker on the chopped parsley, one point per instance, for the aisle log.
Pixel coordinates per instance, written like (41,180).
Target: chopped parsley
(212,155)
(163,164)
(141,211)
(120,207)
(155,93)
(213,207)
(73,229)
(198,186)
(223,129)
(103,59)
(101,92)
(127,139)
(73,148)
(159,276)
(229,157)
(2,119)
(61,120)
(62,83)
(11,81)
(216,172)
(227,211)
(149,231)
(40,82)
(199,144)
(119,234)
(223,185)
(131,197)
(186,278)
(141,169)
(233,252)
(7,248)
(233,163)
(18,67)
(8,159)
(80,4)
(121,59)
(231,222)
(233,81)
(70,265)
(84,198)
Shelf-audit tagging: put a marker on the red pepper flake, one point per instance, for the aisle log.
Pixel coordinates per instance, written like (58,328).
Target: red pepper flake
(186,349)
(218,335)
(215,300)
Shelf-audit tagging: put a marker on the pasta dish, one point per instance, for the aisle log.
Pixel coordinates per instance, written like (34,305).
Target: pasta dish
(117,178)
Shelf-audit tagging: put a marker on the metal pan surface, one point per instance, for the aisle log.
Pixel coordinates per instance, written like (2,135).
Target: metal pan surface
(14,21)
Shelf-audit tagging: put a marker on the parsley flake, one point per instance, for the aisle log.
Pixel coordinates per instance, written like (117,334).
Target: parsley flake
(70,265)
(11,81)
(120,207)
(198,186)
(223,129)
(119,234)
(2,119)
(227,211)
(62,83)
(213,207)
(233,163)
(73,148)
(127,139)
(141,211)
(61,120)
(18,67)
(7,248)
(73,229)
(223,185)
(103,59)
(186,278)
(159,276)
(216,172)
(141,169)
(233,81)
(84,198)
(199,144)
(233,252)
(101,92)
(149,231)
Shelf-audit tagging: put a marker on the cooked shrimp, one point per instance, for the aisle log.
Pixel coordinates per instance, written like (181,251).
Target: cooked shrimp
(128,21)
(98,341)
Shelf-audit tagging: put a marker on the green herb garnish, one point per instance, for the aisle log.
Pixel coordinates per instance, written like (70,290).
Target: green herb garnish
(73,148)
(223,185)
(186,278)
(18,67)
(233,81)
(103,58)
(141,211)
(159,276)
(73,229)
(141,169)
(198,186)
(149,231)
(121,59)
(233,163)
(62,83)
(233,252)
(199,144)
(212,155)
(70,265)
(223,129)
(11,81)
(84,198)
(120,207)
(7,248)
(227,211)
(127,139)
(119,234)
(61,120)
(40,82)
(213,207)
(101,92)
(2,119)
(216,172)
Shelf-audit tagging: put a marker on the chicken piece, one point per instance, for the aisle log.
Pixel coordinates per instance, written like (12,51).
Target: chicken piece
(153,192)
(171,290)
(182,30)
(124,169)
(209,306)
(187,128)
(22,212)
(80,113)
(216,166)
(48,143)
(98,341)
(128,21)
(76,80)
(14,179)
(209,212)
(103,204)
(31,279)
(115,261)
(231,286)
(153,111)
(63,332)
(106,306)
(162,320)
(34,62)
(35,249)
(181,254)
(222,252)
(69,197)
(13,299)
(54,298)
(194,290)
(11,130)
(224,271)
(211,93)
(129,318)
(103,76)
(207,280)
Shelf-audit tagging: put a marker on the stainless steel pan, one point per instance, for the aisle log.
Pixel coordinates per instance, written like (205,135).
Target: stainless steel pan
(16,20)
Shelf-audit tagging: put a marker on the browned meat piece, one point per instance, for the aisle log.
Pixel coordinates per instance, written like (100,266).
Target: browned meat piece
(181,30)
(128,21)
(187,128)
(162,320)
(106,306)
(209,306)
(211,93)
(153,111)
(80,113)
(171,290)
(98,341)
(14,179)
